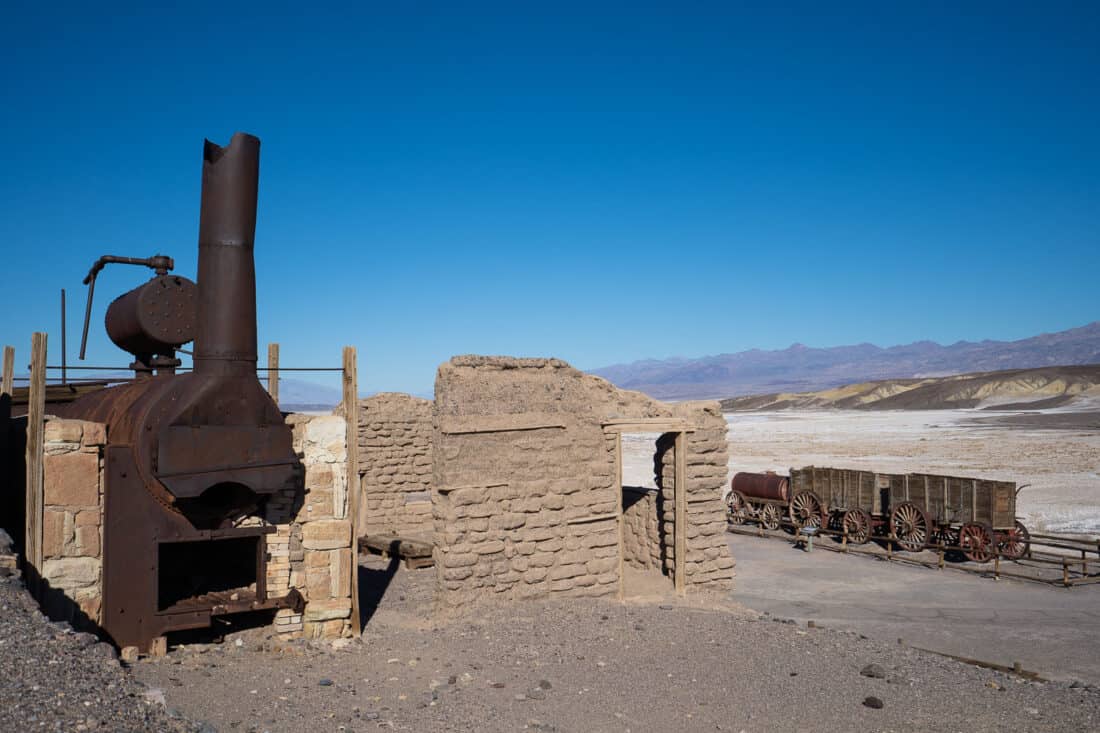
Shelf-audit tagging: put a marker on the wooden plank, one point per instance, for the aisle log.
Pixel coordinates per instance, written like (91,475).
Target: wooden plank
(646,425)
(273,372)
(351,422)
(7,382)
(470,424)
(404,547)
(593,518)
(680,528)
(34,458)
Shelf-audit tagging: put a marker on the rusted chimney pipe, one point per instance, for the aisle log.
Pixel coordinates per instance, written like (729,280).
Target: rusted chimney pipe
(225,337)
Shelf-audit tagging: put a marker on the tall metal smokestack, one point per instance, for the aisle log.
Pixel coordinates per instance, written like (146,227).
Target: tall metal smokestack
(225,338)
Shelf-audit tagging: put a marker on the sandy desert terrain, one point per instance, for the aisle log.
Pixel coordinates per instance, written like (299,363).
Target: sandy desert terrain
(1060,466)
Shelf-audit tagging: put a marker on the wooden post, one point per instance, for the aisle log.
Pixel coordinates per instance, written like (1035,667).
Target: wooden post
(6,384)
(681,512)
(273,371)
(619,483)
(36,409)
(351,419)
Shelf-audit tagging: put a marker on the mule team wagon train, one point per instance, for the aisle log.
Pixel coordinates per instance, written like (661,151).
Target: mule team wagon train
(973,517)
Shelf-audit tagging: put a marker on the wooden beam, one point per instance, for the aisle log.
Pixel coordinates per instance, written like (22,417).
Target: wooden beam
(470,424)
(273,371)
(619,499)
(647,425)
(36,408)
(6,384)
(680,528)
(351,420)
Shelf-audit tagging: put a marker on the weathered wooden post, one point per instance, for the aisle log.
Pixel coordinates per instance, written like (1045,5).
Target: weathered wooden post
(273,371)
(7,382)
(351,419)
(36,408)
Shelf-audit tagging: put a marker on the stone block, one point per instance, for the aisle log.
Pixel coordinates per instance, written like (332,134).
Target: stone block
(71,572)
(71,480)
(53,534)
(328,610)
(326,534)
(87,540)
(63,431)
(95,434)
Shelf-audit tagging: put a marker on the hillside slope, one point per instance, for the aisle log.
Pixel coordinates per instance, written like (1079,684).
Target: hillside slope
(804,369)
(1010,389)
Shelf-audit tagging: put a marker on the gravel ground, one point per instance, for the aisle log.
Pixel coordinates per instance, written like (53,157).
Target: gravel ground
(659,665)
(52,679)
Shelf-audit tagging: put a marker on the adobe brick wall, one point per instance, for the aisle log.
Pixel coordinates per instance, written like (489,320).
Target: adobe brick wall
(525,494)
(641,534)
(395,463)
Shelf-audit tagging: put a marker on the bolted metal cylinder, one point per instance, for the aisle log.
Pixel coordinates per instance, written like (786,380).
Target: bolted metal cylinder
(154,318)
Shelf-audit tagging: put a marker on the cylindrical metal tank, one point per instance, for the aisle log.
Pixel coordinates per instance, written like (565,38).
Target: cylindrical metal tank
(154,318)
(762,486)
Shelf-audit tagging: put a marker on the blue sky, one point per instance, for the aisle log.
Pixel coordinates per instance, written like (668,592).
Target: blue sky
(596,182)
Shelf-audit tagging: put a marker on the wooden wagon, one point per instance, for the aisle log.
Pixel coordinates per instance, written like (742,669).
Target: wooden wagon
(976,517)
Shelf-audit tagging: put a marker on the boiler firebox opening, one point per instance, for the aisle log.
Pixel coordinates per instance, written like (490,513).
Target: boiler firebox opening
(202,571)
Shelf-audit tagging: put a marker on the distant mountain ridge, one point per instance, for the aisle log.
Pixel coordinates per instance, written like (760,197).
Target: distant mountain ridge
(1010,389)
(800,368)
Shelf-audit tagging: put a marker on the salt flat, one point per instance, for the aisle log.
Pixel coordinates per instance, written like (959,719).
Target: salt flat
(1061,466)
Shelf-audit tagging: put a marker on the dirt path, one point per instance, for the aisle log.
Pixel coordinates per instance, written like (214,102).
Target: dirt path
(597,666)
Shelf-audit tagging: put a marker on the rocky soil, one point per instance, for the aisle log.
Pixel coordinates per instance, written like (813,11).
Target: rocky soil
(653,665)
(55,679)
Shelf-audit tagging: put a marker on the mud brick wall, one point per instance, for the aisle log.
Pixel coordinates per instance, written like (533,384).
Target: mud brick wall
(72,519)
(524,495)
(641,536)
(708,563)
(395,462)
(311,549)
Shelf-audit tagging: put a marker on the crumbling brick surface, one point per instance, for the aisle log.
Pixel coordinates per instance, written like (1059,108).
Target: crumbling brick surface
(525,492)
(395,462)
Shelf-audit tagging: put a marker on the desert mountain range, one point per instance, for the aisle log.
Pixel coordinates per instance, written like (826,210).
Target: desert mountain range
(1010,389)
(800,368)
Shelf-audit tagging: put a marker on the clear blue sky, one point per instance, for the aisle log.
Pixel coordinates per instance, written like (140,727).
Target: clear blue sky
(597,182)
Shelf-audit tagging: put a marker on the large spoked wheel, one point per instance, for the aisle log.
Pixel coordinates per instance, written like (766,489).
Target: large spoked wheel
(769,516)
(857,525)
(737,509)
(807,510)
(1015,543)
(909,526)
(976,541)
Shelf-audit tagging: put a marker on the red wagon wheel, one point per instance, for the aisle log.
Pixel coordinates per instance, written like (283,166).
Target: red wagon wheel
(909,526)
(1015,542)
(769,516)
(807,510)
(737,509)
(857,523)
(976,541)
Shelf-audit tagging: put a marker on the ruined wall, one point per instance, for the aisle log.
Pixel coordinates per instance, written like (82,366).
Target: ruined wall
(525,492)
(311,549)
(641,536)
(395,462)
(72,519)
(524,495)
(708,562)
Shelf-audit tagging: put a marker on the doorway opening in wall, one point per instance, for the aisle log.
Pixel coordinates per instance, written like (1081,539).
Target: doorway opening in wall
(647,484)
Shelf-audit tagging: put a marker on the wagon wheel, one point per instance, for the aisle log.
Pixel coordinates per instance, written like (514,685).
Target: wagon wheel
(769,516)
(1015,542)
(857,523)
(737,509)
(909,526)
(806,510)
(948,536)
(976,541)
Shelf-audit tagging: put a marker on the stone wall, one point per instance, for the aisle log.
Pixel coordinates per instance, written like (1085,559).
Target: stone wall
(311,549)
(395,462)
(525,494)
(641,535)
(72,531)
